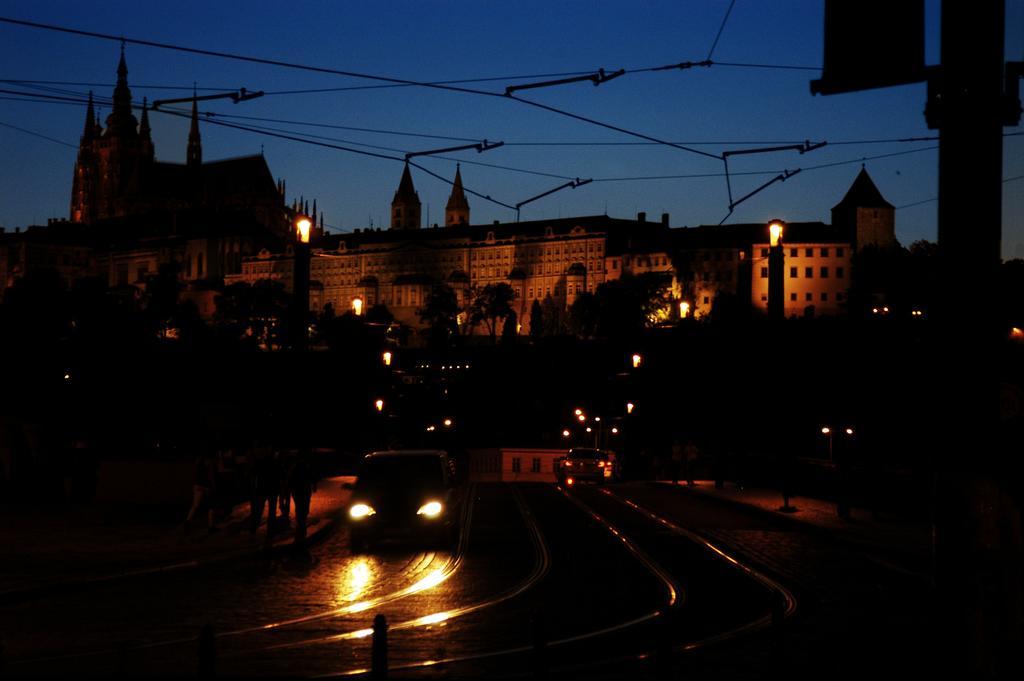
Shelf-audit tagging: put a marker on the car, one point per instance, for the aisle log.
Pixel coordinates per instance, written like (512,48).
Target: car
(583,464)
(405,495)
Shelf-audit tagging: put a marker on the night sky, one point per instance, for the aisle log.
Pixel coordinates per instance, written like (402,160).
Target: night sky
(709,109)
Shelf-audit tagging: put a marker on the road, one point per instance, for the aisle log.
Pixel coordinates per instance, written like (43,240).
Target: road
(590,582)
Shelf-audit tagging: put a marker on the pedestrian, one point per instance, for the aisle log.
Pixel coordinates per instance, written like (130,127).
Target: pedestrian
(690,455)
(262,484)
(301,483)
(203,481)
(283,492)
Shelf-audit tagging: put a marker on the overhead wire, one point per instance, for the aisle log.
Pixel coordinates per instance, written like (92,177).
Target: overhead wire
(720,29)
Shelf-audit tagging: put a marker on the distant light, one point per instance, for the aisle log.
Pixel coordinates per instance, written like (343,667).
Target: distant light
(447,423)
(570,481)
(578,411)
(589,429)
(565,433)
(636,360)
(379,404)
(874,310)
(302,227)
(849,431)
(629,407)
(387,358)
(684,309)
(67,376)
(826,430)
(581,417)
(357,306)
(885,310)
(1017,333)
(431,509)
(431,429)
(615,431)
(597,418)
(775,232)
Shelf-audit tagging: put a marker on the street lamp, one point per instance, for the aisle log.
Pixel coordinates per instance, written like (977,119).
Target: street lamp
(637,359)
(776,284)
(828,432)
(447,423)
(566,433)
(302,229)
(629,407)
(357,306)
(387,358)
(684,309)
(300,280)
(379,404)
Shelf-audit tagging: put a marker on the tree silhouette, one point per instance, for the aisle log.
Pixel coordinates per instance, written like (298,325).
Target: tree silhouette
(490,304)
(583,315)
(536,320)
(509,329)
(439,313)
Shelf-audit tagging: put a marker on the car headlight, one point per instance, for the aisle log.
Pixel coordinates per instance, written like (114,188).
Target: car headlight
(360,511)
(431,509)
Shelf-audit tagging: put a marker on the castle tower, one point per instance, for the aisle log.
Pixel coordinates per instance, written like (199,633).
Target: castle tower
(457,210)
(865,215)
(405,207)
(194,153)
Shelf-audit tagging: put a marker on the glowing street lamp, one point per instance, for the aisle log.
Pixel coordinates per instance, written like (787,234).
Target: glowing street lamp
(775,233)
(302,228)
(566,433)
(447,423)
(578,411)
(684,309)
(357,306)
(637,359)
(581,417)
(629,407)
(615,431)
(379,404)
(387,358)
(776,284)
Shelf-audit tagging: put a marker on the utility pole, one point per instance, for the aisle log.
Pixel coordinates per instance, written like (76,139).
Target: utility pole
(977,569)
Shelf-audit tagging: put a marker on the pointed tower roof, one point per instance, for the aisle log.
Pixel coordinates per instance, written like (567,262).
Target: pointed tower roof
(144,131)
(194,154)
(863,194)
(90,121)
(121,121)
(406,190)
(457,200)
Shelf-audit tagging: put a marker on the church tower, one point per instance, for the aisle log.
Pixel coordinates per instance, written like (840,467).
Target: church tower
(194,153)
(865,215)
(457,210)
(111,161)
(83,184)
(405,207)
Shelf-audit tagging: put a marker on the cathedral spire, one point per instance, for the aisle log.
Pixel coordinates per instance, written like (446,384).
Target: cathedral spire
(457,210)
(121,122)
(194,154)
(90,122)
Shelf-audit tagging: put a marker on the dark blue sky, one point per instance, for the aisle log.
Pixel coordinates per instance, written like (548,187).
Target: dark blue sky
(711,109)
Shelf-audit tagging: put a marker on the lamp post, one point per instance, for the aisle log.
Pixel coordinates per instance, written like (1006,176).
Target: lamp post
(826,431)
(300,281)
(776,283)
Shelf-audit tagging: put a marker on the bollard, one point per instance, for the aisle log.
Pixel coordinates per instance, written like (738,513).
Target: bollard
(379,653)
(207,653)
(539,638)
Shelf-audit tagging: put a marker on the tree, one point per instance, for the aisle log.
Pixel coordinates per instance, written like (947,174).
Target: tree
(628,305)
(536,320)
(492,303)
(440,312)
(552,315)
(509,329)
(583,315)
